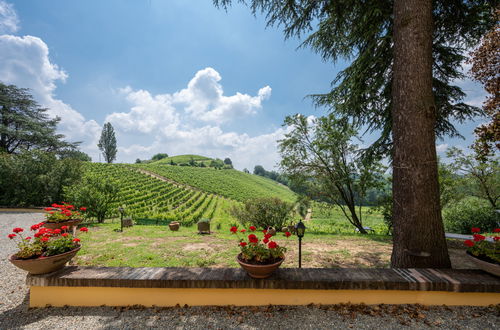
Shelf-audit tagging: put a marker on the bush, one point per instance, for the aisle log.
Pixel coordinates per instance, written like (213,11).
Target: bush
(470,212)
(263,212)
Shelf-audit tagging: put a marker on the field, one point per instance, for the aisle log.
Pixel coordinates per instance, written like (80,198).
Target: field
(328,242)
(148,198)
(229,183)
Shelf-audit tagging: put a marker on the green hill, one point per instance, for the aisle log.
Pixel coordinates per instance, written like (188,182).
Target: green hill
(182,159)
(230,183)
(148,197)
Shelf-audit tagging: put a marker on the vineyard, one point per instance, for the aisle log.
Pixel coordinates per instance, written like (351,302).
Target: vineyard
(151,198)
(228,183)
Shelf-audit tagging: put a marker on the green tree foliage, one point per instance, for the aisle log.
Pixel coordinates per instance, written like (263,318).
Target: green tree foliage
(24,125)
(263,212)
(485,68)
(94,192)
(320,151)
(35,178)
(480,174)
(107,143)
(470,212)
(159,156)
(74,154)
(228,161)
(362,32)
(273,175)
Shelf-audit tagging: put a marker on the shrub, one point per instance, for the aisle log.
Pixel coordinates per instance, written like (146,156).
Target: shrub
(263,212)
(470,212)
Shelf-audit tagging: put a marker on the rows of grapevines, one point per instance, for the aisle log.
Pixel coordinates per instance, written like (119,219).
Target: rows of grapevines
(229,183)
(146,197)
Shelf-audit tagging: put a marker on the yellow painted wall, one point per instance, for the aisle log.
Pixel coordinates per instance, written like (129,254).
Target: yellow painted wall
(98,296)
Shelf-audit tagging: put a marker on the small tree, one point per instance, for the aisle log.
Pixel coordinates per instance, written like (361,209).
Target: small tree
(96,194)
(228,161)
(107,143)
(263,212)
(482,172)
(159,156)
(321,152)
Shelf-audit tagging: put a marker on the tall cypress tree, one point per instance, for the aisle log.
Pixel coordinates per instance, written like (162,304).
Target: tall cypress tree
(379,37)
(107,143)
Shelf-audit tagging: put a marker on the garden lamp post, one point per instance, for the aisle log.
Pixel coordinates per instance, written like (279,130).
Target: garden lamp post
(121,210)
(300,229)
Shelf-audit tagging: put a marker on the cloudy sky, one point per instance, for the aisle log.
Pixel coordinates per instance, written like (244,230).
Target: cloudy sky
(171,76)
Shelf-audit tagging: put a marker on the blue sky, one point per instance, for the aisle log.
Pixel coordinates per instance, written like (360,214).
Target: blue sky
(171,76)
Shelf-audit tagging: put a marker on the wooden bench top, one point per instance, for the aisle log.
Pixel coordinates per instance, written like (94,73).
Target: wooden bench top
(451,280)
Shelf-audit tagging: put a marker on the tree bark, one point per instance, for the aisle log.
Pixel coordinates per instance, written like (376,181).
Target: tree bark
(419,239)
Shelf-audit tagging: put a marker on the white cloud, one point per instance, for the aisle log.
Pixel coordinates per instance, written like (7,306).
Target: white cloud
(9,23)
(441,147)
(203,99)
(24,62)
(189,121)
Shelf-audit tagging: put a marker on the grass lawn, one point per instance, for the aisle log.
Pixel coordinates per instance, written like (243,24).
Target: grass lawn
(330,241)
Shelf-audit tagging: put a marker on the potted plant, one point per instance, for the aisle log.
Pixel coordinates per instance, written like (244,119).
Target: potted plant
(259,257)
(46,251)
(64,214)
(484,253)
(174,225)
(204,226)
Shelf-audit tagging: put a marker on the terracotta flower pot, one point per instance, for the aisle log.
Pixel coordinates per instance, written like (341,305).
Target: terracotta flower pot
(44,265)
(488,267)
(174,226)
(259,271)
(58,225)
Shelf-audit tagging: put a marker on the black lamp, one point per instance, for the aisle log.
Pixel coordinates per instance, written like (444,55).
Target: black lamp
(300,229)
(121,210)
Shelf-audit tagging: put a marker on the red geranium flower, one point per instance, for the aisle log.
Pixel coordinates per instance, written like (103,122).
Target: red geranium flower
(11,236)
(55,205)
(64,228)
(496,238)
(476,230)
(243,230)
(64,234)
(272,245)
(469,243)
(252,228)
(234,229)
(252,238)
(478,237)
(83,208)
(35,227)
(44,239)
(76,240)
(28,238)
(243,243)
(264,231)
(17,230)
(268,236)
(265,240)
(48,209)
(57,231)
(496,230)
(84,229)
(288,234)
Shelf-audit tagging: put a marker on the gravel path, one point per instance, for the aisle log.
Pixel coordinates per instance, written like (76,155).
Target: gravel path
(14,312)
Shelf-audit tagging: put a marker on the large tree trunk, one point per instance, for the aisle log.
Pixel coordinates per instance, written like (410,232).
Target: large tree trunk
(418,228)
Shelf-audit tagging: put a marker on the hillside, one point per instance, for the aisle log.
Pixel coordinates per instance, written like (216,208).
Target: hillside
(148,197)
(183,159)
(230,183)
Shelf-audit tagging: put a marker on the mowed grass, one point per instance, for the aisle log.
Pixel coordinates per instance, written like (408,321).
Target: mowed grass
(157,246)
